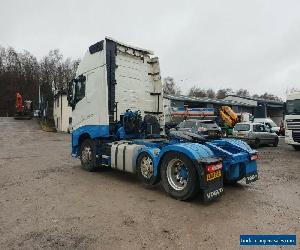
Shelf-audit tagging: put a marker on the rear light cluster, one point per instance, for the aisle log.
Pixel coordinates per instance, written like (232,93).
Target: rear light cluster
(213,167)
(254,157)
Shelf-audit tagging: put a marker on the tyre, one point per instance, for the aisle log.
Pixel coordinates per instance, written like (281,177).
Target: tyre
(296,147)
(179,176)
(88,155)
(145,169)
(275,143)
(256,143)
(230,182)
(224,133)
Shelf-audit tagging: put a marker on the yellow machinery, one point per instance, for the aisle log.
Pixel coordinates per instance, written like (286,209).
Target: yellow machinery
(228,116)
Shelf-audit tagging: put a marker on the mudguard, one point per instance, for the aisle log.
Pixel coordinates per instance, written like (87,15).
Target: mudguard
(198,153)
(236,155)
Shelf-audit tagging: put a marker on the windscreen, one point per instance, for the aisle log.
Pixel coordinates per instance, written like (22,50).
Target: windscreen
(207,124)
(293,107)
(242,127)
(187,124)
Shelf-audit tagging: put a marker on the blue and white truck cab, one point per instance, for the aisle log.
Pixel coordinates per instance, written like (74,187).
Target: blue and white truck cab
(118,122)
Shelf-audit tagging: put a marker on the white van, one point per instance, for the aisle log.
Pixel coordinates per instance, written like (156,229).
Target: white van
(269,123)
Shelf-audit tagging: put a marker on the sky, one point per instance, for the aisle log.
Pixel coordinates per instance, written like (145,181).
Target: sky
(252,44)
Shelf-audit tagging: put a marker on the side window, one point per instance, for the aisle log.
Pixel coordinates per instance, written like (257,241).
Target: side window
(80,90)
(254,128)
(70,120)
(268,125)
(258,128)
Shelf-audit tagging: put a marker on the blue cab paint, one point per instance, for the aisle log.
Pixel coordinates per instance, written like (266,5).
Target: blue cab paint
(94,131)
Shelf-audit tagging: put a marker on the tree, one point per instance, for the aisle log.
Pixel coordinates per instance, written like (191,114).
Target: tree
(169,86)
(197,92)
(269,96)
(222,93)
(243,93)
(24,73)
(211,93)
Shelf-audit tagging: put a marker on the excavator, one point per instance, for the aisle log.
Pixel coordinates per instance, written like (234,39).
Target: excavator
(24,110)
(229,118)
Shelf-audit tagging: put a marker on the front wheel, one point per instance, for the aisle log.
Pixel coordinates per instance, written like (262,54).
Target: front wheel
(179,176)
(88,155)
(275,143)
(256,143)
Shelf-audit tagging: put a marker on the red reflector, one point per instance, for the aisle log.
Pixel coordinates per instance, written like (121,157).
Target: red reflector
(254,157)
(213,167)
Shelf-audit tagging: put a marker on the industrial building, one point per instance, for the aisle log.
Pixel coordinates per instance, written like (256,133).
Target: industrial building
(260,108)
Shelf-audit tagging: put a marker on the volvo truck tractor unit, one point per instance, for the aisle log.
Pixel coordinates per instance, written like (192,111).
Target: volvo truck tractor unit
(118,122)
(292,120)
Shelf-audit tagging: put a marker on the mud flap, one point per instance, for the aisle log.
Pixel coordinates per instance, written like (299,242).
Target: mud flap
(252,177)
(213,190)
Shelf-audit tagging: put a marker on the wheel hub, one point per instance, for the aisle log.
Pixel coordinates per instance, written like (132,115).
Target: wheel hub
(86,154)
(177,174)
(147,167)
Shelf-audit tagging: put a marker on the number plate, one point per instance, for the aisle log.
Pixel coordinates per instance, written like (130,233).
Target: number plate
(251,177)
(213,175)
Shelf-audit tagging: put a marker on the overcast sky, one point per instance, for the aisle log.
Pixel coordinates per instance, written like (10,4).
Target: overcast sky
(253,44)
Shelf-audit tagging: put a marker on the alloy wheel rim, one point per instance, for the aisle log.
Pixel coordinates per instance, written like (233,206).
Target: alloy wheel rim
(177,174)
(86,155)
(146,167)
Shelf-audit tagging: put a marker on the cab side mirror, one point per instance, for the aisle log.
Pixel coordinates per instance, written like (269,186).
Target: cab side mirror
(71,93)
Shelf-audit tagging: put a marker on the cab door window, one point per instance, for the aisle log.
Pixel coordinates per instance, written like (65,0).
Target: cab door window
(259,128)
(80,88)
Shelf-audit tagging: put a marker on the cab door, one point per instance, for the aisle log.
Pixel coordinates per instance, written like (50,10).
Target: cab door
(260,133)
(269,135)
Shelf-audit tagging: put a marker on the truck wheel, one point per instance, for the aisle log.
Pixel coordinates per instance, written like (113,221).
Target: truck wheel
(256,143)
(145,169)
(179,176)
(88,155)
(275,143)
(230,182)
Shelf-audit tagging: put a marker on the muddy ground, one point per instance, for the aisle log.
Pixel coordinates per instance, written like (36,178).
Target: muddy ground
(47,201)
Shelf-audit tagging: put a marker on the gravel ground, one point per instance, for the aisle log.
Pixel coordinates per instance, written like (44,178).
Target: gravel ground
(47,201)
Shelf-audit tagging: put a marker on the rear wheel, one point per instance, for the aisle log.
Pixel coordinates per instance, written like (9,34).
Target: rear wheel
(179,176)
(88,155)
